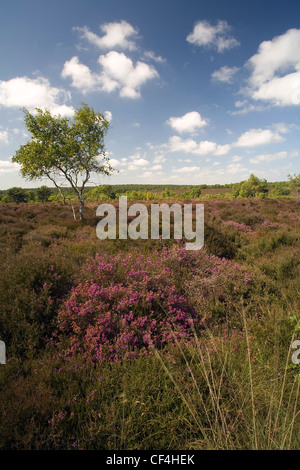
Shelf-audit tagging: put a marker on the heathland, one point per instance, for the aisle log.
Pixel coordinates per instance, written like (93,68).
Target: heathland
(140,344)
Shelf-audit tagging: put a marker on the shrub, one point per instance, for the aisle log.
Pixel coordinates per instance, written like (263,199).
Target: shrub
(131,303)
(17,195)
(250,188)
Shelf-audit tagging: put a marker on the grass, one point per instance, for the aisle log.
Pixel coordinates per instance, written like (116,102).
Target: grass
(231,386)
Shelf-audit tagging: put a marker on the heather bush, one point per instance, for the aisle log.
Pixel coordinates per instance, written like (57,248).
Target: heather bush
(132,302)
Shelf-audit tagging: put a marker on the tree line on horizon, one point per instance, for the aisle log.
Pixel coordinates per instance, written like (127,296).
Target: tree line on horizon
(253,187)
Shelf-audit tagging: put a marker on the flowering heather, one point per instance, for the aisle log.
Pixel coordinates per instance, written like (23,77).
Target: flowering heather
(267,223)
(132,302)
(241,227)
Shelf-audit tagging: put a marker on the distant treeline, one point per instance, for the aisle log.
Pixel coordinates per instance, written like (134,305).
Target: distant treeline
(250,188)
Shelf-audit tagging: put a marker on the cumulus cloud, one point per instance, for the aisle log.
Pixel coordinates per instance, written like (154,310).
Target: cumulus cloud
(8,167)
(119,72)
(116,35)
(236,169)
(224,74)
(159,159)
(186,169)
(137,162)
(147,174)
(156,167)
(275,70)
(236,158)
(81,75)
(34,93)
(207,35)
(204,147)
(268,158)
(256,137)
(189,122)
(4,137)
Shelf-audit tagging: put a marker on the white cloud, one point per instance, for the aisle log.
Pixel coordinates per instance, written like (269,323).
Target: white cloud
(268,158)
(34,93)
(137,162)
(156,167)
(8,167)
(80,74)
(159,159)
(187,169)
(21,132)
(147,174)
(189,122)
(236,158)
(4,137)
(151,55)
(116,35)
(204,34)
(275,76)
(236,169)
(108,115)
(246,107)
(256,137)
(204,147)
(224,74)
(119,72)
(116,163)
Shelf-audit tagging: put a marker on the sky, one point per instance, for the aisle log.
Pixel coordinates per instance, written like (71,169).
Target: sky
(196,91)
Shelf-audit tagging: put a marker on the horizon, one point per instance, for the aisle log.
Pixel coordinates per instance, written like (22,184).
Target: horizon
(204,94)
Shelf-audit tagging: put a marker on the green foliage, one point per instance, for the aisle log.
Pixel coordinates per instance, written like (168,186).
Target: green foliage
(168,194)
(43,193)
(64,150)
(295,182)
(280,189)
(140,195)
(101,193)
(5,198)
(17,195)
(251,188)
(193,193)
(31,195)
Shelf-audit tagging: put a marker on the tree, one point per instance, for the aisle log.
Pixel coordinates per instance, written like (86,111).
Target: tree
(250,188)
(64,150)
(30,195)
(295,183)
(17,195)
(43,193)
(108,191)
(280,189)
(193,193)
(168,194)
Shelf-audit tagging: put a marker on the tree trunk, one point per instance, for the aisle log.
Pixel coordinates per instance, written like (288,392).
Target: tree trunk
(74,213)
(81,209)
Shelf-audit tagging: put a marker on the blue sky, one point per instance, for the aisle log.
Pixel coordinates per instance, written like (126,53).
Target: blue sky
(196,91)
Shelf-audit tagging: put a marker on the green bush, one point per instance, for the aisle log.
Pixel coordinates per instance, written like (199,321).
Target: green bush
(251,188)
